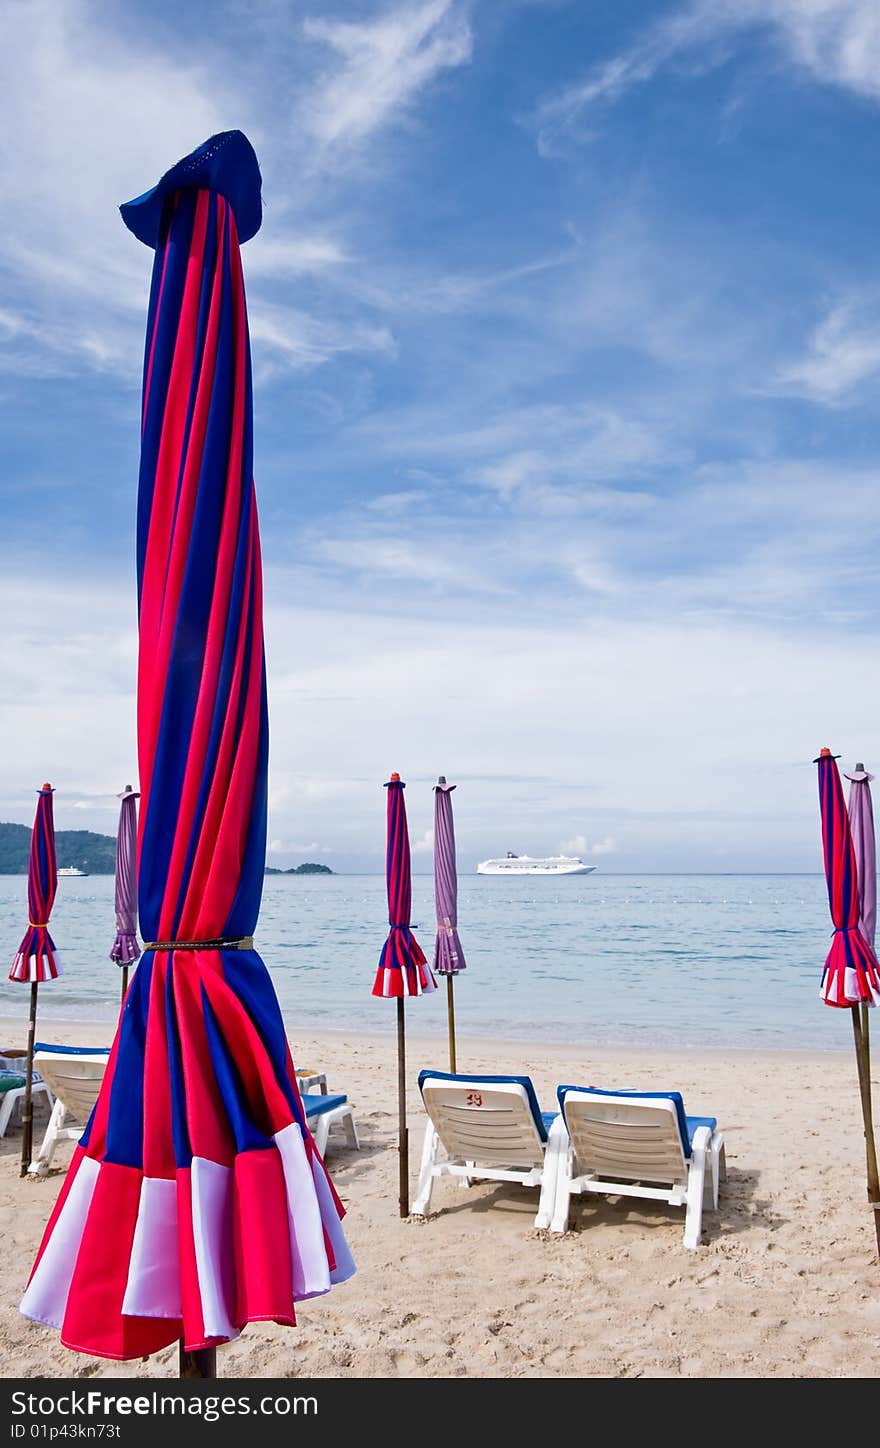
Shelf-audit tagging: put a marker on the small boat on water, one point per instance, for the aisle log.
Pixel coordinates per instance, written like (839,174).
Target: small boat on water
(72,870)
(513,864)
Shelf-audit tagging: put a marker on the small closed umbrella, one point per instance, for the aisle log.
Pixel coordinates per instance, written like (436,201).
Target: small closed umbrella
(403,970)
(861,822)
(125,950)
(851,979)
(448,954)
(37,959)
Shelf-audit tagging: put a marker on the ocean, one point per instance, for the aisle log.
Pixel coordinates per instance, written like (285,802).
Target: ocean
(667,960)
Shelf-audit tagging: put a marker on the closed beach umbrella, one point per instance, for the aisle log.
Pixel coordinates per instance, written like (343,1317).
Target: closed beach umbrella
(37,959)
(196,1201)
(448,954)
(861,823)
(852,975)
(125,950)
(403,970)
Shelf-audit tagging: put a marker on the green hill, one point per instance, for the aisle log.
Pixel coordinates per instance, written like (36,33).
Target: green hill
(86,850)
(309,868)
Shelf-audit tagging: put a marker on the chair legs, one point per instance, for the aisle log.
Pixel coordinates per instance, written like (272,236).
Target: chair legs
(40,1164)
(11,1098)
(345,1116)
(557,1142)
(701,1148)
(422,1204)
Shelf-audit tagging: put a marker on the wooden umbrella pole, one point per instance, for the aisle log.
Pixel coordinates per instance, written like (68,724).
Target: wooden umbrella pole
(124,984)
(27,1115)
(863,1061)
(199,1364)
(402,1133)
(450,1014)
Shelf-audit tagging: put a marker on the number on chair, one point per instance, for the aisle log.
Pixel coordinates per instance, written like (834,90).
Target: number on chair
(474,1098)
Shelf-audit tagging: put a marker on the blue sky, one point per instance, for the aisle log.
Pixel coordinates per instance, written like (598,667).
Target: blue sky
(566,333)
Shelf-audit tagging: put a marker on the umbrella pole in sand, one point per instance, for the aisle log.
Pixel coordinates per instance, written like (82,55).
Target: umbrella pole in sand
(863,1061)
(124,985)
(27,1115)
(199,1364)
(450,1016)
(402,1132)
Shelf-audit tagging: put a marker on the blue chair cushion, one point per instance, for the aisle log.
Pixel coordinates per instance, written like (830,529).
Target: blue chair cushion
(314,1104)
(541,1119)
(687,1125)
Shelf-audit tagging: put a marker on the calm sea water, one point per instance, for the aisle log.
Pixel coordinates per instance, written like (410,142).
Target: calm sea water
(726,960)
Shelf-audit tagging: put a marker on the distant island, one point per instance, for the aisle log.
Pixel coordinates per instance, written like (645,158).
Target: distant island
(83,849)
(310,868)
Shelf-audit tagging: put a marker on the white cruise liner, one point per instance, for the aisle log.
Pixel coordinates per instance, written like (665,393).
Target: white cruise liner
(526,865)
(72,870)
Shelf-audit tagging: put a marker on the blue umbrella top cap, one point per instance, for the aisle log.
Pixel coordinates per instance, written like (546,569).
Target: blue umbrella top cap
(226,163)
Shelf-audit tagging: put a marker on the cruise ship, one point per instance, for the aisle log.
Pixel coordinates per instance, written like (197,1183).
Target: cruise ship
(72,870)
(525,865)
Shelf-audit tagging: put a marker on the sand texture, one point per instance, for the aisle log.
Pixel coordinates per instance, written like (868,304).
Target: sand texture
(786,1283)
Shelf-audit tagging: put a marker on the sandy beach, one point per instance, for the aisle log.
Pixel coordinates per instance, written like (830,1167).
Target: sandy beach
(784,1285)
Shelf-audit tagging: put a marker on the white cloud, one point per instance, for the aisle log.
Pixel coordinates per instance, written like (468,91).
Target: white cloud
(424,845)
(837,42)
(293,256)
(714,765)
(300,341)
(579,845)
(382,64)
(843,352)
(91,120)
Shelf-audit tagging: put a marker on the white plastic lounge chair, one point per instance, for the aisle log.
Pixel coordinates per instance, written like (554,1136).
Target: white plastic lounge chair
(322,1112)
(12,1090)
(490,1128)
(74,1075)
(637,1144)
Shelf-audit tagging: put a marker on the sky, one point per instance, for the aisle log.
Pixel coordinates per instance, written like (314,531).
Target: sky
(565,322)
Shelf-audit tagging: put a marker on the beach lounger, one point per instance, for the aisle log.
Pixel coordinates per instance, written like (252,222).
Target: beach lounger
(74,1075)
(637,1144)
(488,1128)
(322,1112)
(12,1091)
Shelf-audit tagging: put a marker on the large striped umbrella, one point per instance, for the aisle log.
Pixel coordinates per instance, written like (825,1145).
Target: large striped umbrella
(37,959)
(196,1201)
(125,949)
(448,954)
(852,974)
(403,970)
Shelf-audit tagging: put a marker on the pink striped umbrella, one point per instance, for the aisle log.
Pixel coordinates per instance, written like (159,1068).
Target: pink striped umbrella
(37,959)
(851,978)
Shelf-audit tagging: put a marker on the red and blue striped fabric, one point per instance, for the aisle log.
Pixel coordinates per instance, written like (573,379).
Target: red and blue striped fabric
(851,975)
(403,969)
(36,958)
(196,1201)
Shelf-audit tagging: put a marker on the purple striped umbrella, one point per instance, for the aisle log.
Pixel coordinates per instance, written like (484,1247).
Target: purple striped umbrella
(125,950)
(861,823)
(852,975)
(37,959)
(448,954)
(403,969)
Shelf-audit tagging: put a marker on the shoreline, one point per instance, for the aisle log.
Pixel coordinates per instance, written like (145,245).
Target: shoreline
(68,1030)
